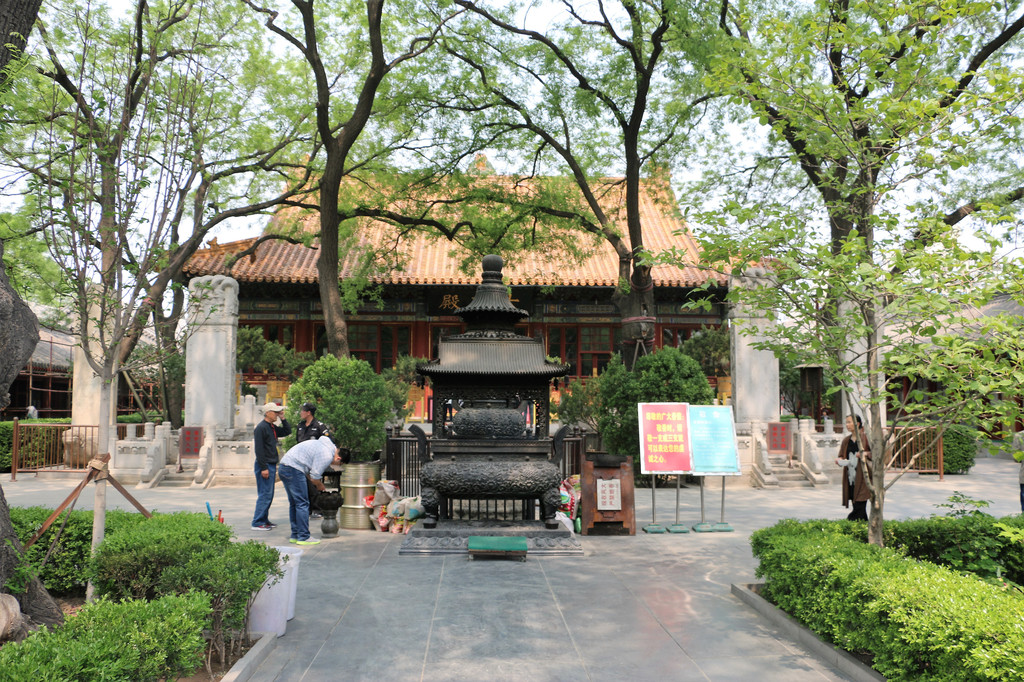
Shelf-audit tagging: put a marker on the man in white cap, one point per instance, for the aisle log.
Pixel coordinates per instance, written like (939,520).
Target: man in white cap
(305,461)
(267,432)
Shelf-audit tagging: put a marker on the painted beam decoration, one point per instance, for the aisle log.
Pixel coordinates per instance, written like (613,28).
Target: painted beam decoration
(678,438)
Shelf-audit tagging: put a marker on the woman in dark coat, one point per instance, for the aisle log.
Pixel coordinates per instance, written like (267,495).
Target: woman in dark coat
(854,456)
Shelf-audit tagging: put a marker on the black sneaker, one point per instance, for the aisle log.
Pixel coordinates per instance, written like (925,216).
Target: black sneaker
(315,515)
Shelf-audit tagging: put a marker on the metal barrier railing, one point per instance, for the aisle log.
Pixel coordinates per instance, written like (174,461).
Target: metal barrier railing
(916,448)
(402,464)
(54,448)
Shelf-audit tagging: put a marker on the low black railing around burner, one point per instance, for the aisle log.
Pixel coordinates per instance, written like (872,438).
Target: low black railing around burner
(402,464)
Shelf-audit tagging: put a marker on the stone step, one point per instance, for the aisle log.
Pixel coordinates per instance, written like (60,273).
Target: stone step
(173,479)
(804,483)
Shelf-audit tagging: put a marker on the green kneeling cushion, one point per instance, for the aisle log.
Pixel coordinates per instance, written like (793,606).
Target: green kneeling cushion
(497,543)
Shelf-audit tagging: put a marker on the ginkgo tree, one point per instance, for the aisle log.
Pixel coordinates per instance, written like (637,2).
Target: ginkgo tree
(874,171)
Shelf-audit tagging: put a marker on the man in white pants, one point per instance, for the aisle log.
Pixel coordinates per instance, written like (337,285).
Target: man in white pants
(307,460)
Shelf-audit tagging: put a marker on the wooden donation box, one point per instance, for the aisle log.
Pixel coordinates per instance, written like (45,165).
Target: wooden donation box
(606,488)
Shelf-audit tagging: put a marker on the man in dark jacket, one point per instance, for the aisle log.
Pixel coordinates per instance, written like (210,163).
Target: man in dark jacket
(310,428)
(265,437)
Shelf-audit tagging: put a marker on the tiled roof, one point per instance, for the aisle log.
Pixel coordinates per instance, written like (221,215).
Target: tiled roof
(434,260)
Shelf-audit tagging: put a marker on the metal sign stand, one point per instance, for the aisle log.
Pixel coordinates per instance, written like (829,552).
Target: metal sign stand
(654,526)
(678,527)
(722,526)
(703,526)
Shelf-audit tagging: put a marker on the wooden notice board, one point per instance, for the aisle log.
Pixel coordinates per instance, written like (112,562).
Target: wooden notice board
(606,497)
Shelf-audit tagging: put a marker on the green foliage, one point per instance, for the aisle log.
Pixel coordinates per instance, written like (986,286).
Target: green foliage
(21,574)
(664,376)
(711,348)
(918,621)
(257,354)
(851,108)
(128,641)
(959,447)
(399,379)
(231,576)
(960,505)
(351,399)
(581,403)
(139,418)
(31,270)
(65,571)
(129,564)
(7,439)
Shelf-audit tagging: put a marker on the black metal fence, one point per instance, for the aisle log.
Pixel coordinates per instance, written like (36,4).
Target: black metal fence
(402,462)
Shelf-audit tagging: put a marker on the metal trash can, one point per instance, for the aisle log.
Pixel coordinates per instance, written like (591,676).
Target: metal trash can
(358,480)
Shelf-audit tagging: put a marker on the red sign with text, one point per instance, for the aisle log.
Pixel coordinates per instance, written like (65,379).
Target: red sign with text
(664,439)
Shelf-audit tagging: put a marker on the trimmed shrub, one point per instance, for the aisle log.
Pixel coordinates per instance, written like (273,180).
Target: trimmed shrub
(65,571)
(129,564)
(231,576)
(959,446)
(580,404)
(351,399)
(919,621)
(664,376)
(134,640)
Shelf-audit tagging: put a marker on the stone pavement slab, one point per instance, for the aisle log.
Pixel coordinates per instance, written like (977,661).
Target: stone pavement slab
(647,607)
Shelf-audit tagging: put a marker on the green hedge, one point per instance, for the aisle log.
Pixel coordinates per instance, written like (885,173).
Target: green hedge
(131,641)
(169,554)
(959,447)
(176,553)
(969,543)
(972,543)
(231,576)
(919,621)
(129,564)
(65,570)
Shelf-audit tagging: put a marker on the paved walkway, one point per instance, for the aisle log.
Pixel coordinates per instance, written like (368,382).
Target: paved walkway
(649,607)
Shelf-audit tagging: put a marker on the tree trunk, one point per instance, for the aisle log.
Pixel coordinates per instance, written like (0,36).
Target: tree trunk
(16,20)
(327,261)
(19,334)
(876,430)
(636,310)
(171,383)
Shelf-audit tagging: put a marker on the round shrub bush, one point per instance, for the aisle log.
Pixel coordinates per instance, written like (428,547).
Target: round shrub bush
(959,446)
(666,376)
(351,399)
